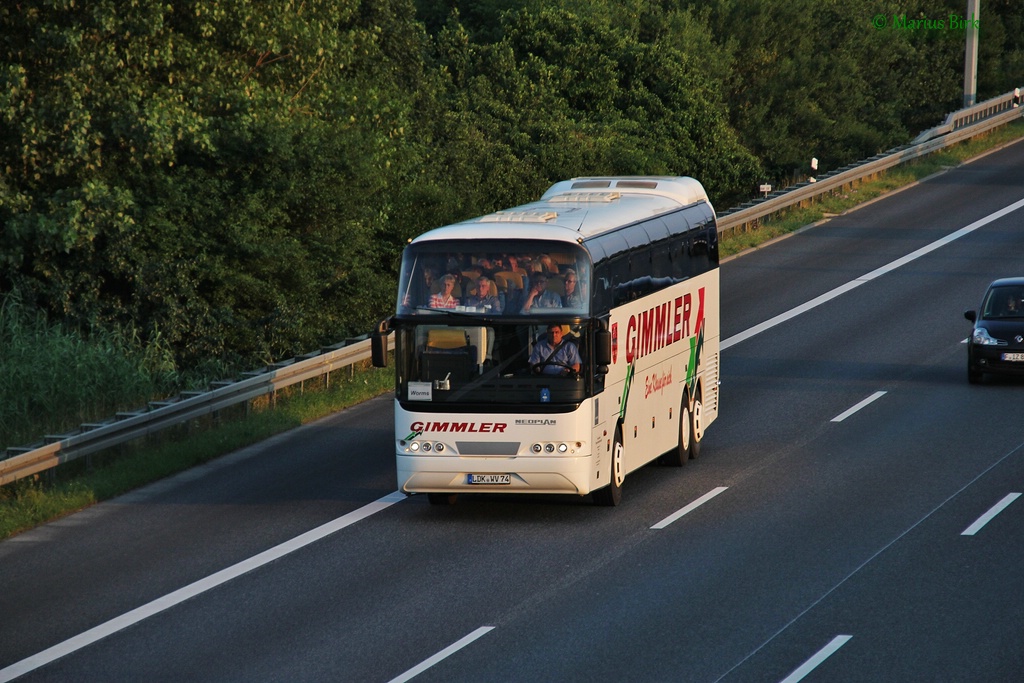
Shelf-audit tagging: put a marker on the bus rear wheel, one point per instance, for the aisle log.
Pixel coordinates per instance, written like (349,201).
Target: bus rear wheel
(678,456)
(611,495)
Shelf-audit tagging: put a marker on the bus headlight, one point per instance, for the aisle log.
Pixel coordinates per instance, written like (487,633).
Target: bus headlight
(561,448)
(426,446)
(414,446)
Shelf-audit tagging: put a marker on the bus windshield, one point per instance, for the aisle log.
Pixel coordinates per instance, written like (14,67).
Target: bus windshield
(500,362)
(494,278)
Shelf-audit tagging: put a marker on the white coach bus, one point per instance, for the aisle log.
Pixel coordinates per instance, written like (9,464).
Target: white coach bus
(557,346)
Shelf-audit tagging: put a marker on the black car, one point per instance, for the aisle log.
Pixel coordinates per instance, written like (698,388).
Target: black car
(996,345)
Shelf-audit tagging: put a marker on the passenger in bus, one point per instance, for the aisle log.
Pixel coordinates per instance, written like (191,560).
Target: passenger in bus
(545,264)
(573,296)
(539,295)
(553,355)
(445,298)
(486,298)
(485,265)
(511,262)
(454,263)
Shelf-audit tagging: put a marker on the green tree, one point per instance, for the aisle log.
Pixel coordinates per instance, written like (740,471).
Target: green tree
(204,169)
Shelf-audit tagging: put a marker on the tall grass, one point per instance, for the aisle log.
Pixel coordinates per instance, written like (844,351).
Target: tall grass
(52,378)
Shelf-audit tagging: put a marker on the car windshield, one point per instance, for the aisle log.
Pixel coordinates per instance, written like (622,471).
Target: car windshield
(1004,302)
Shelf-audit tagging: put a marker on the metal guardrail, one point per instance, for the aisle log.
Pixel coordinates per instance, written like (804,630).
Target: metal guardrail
(959,126)
(159,415)
(978,112)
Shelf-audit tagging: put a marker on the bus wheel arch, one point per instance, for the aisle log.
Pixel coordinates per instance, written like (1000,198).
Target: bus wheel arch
(611,494)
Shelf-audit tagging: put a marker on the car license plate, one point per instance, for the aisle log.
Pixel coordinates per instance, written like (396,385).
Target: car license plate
(490,479)
(1014,357)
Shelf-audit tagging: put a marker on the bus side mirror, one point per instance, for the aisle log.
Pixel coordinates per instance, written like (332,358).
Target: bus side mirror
(602,350)
(379,344)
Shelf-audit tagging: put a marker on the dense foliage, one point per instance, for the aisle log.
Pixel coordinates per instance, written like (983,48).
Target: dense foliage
(236,179)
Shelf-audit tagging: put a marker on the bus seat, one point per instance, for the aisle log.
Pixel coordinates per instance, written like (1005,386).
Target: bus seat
(443,339)
(511,276)
(459,364)
(556,285)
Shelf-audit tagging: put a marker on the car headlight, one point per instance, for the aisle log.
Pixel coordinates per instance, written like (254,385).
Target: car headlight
(981,337)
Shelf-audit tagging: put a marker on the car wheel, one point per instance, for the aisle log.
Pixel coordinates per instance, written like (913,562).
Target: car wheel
(973,374)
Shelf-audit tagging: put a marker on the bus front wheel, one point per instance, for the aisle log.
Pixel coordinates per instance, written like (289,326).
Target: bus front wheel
(696,425)
(611,495)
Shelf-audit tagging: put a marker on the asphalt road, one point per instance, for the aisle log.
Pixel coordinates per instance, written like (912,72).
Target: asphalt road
(835,526)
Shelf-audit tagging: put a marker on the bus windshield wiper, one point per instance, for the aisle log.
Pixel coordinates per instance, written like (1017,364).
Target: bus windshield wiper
(468,315)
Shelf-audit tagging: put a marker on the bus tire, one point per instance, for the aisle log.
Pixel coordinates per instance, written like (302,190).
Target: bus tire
(611,495)
(678,456)
(442,498)
(696,425)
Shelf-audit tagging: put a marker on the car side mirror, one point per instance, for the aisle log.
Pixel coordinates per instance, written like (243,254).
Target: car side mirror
(971,315)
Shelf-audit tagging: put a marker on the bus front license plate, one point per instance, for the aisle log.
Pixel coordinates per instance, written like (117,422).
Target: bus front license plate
(490,479)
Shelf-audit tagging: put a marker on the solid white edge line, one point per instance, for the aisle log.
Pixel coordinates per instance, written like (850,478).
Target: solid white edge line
(447,652)
(190,591)
(988,516)
(815,661)
(867,277)
(689,508)
(870,399)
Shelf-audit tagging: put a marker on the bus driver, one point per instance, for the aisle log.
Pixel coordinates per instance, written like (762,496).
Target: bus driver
(554,355)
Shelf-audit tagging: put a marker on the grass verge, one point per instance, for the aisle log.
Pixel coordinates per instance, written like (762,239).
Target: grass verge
(33,501)
(894,179)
